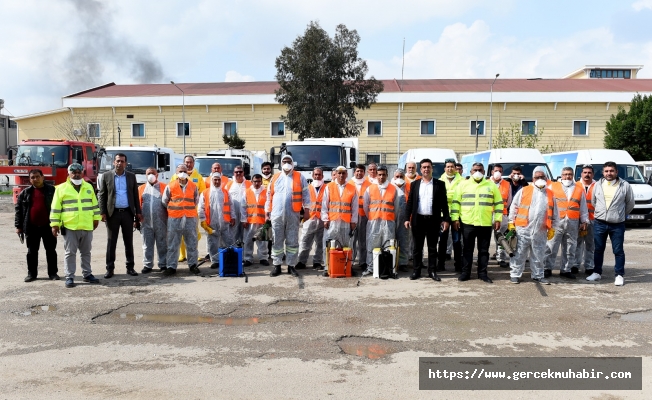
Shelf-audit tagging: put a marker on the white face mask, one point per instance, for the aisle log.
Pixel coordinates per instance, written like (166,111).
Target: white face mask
(477,175)
(498,175)
(516,177)
(358,181)
(287,167)
(76,182)
(151,178)
(566,182)
(450,175)
(398,181)
(266,176)
(540,183)
(182,175)
(317,184)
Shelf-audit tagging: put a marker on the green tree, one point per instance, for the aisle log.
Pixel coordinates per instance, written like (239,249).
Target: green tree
(234,141)
(513,137)
(632,131)
(322,83)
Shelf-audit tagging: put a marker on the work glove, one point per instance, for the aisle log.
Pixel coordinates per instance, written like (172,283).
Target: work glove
(583,233)
(551,233)
(207,228)
(510,226)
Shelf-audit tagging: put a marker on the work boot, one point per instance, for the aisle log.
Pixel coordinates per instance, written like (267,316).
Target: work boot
(416,273)
(29,278)
(194,269)
(276,271)
(463,277)
(264,262)
(300,265)
(574,270)
(363,267)
(485,278)
(215,266)
(588,271)
(547,273)
(567,275)
(145,270)
(292,271)
(317,266)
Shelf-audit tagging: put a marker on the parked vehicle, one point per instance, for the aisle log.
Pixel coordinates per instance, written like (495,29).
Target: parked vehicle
(250,161)
(527,159)
(437,156)
(139,158)
(327,153)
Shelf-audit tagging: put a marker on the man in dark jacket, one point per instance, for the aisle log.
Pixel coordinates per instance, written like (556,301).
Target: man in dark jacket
(32,222)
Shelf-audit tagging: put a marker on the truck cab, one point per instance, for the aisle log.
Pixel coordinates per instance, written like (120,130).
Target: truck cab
(527,159)
(250,161)
(139,158)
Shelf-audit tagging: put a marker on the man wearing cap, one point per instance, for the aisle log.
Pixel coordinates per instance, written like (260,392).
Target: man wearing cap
(216,217)
(313,227)
(287,194)
(196,178)
(75,214)
(181,198)
(154,228)
(253,219)
(360,241)
(119,208)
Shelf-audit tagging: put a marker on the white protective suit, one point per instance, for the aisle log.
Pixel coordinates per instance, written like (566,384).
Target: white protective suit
(251,231)
(237,193)
(585,246)
(501,254)
(566,232)
(154,228)
(402,233)
(379,230)
(221,236)
(338,230)
(181,228)
(285,221)
(312,232)
(360,240)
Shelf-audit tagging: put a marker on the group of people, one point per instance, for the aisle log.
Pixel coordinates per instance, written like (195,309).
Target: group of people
(368,210)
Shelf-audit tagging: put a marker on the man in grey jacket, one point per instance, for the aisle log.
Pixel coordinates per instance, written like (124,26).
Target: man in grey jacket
(613,199)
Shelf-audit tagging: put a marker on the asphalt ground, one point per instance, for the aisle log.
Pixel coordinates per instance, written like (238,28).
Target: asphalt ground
(197,337)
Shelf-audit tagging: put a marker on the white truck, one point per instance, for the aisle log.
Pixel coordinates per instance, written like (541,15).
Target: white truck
(250,161)
(327,153)
(139,158)
(437,156)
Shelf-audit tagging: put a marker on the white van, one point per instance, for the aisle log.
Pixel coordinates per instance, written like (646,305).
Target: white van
(627,170)
(527,159)
(437,156)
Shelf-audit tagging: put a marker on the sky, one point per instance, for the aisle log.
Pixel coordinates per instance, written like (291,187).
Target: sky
(52,48)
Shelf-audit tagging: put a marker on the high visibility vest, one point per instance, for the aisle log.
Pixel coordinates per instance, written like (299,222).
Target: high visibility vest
(339,207)
(524,207)
(229,183)
(504,187)
(74,210)
(589,201)
(256,208)
(363,188)
(450,186)
(141,190)
(567,208)
(297,194)
(382,207)
(182,204)
(208,181)
(315,201)
(226,209)
(477,204)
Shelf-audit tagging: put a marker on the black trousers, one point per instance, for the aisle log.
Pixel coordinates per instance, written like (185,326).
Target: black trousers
(425,227)
(33,240)
(457,247)
(483,235)
(120,219)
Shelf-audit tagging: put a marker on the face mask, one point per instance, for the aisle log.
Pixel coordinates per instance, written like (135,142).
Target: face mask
(76,182)
(498,175)
(266,176)
(358,181)
(151,178)
(516,178)
(182,175)
(451,176)
(566,182)
(287,167)
(477,175)
(398,181)
(317,184)
(540,183)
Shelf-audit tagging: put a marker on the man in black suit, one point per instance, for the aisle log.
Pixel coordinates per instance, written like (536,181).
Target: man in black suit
(120,208)
(426,214)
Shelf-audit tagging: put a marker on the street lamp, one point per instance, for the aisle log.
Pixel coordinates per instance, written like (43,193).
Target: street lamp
(183,114)
(491,106)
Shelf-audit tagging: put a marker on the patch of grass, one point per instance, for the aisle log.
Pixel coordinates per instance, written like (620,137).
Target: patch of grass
(6,192)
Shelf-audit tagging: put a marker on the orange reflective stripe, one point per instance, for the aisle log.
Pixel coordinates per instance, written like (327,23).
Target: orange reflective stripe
(339,207)
(181,204)
(141,190)
(504,188)
(382,207)
(567,208)
(589,201)
(363,188)
(297,194)
(315,201)
(226,209)
(523,214)
(256,208)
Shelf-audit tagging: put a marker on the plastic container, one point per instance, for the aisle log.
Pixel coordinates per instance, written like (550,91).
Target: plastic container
(376,262)
(231,261)
(340,262)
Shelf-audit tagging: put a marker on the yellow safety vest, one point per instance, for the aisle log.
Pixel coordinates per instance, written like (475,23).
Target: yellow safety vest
(74,210)
(477,203)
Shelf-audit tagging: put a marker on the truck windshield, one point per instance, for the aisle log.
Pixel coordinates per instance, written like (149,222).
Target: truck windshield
(308,157)
(437,169)
(137,160)
(42,155)
(203,165)
(526,169)
(628,172)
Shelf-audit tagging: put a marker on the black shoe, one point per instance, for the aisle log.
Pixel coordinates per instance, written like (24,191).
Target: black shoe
(458,268)
(30,278)
(70,283)
(292,271)
(574,270)
(132,272)
(448,257)
(485,279)
(441,266)
(504,264)
(109,274)
(493,256)
(162,269)
(276,271)
(300,265)
(215,266)
(91,279)
(416,274)
(317,266)
(588,272)
(169,272)
(194,269)
(403,268)
(363,267)
(145,270)
(567,275)
(54,277)
(325,273)
(514,279)
(547,273)
(433,276)
(247,263)
(463,277)
(264,262)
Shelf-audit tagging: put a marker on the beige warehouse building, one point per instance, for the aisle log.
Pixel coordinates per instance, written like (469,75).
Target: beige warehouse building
(570,112)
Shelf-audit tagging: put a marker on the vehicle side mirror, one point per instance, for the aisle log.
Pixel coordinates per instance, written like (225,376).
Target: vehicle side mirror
(247,169)
(352,157)
(352,164)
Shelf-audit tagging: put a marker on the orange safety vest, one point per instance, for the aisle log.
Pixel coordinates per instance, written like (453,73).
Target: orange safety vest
(297,194)
(141,190)
(567,208)
(589,196)
(226,209)
(339,207)
(504,188)
(363,188)
(256,208)
(524,207)
(228,185)
(382,207)
(182,204)
(315,201)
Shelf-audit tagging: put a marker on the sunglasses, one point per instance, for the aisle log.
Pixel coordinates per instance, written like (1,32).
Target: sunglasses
(449,160)
(239,172)
(75,170)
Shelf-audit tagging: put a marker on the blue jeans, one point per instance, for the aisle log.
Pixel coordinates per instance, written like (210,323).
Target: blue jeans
(616,233)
